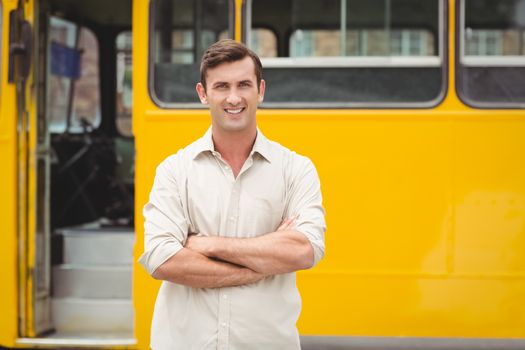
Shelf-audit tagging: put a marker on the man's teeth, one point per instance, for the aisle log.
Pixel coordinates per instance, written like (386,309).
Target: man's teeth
(234,111)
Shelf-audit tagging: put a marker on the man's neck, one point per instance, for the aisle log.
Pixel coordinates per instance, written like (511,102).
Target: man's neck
(234,147)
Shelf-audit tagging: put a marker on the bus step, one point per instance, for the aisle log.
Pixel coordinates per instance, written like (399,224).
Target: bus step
(97,246)
(99,282)
(92,315)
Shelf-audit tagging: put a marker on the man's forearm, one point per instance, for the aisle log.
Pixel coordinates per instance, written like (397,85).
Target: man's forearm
(269,254)
(193,269)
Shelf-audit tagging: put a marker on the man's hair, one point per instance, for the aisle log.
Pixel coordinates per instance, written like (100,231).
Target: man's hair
(228,50)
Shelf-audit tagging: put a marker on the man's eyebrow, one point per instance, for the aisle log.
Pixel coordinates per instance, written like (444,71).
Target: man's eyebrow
(220,83)
(247,81)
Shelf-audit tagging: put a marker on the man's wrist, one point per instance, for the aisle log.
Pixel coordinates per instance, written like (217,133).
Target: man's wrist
(212,246)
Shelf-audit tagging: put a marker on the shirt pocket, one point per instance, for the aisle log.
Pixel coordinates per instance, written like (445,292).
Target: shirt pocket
(205,202)
(261,210)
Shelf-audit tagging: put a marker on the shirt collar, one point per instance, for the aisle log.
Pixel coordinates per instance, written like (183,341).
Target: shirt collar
(261,146)
(204,144)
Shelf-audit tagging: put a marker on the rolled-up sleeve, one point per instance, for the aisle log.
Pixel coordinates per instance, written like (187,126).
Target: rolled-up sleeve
(165,226)
(306,201)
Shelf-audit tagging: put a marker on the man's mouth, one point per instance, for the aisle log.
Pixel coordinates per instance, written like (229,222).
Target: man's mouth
(234,111)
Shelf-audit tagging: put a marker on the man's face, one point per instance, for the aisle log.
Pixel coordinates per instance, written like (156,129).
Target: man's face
(232,95)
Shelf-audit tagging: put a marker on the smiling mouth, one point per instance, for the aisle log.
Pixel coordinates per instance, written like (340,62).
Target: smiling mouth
(234,111)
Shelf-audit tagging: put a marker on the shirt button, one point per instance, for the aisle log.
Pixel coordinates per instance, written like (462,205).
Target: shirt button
(225,296)
(223,324)
(232,218)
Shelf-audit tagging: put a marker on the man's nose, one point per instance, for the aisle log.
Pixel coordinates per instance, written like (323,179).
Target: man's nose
(233,98)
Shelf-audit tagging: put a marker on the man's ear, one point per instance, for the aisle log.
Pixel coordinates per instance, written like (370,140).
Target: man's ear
(262,88)
(201,91)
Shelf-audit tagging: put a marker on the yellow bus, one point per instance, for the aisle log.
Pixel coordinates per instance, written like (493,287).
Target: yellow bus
(412,110)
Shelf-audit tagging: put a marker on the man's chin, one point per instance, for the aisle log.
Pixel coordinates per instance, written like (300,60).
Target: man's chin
(236,128)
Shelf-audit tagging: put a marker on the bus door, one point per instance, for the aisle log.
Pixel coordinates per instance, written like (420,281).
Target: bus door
(32,174)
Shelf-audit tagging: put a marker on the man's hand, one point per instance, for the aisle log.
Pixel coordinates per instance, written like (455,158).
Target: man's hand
(205,244)
(285,250)
(199,244)
(287,224)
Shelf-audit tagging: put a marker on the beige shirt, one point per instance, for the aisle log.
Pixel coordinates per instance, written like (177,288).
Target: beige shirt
(195,192)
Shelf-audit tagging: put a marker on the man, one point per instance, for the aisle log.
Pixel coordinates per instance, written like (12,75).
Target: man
(231,217)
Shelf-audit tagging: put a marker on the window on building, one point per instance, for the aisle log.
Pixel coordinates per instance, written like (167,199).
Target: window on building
(124,83)
(350,52)
(484,42)
(180,32)
(73,95)
(491,70)
(263,42)
(326,43)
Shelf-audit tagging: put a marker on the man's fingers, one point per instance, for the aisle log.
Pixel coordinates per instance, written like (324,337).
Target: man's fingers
(282,226)
(287,223)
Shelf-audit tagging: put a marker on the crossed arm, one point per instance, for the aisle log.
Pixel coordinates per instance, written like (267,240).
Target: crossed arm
(212,262)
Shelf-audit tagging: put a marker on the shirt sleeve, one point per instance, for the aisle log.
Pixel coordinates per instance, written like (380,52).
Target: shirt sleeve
(165,226)
(305,200)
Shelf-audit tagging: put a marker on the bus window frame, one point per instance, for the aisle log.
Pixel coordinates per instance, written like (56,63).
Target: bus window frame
(461,60)
(441,60)
(116,125)
(151,64)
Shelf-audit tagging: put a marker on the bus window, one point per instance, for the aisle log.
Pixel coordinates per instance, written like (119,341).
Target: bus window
(351,53)
(124,83)
(491,70)
(181,31)
(73,71)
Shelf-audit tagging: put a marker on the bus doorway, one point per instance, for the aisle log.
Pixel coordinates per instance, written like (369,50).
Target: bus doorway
(85,186)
